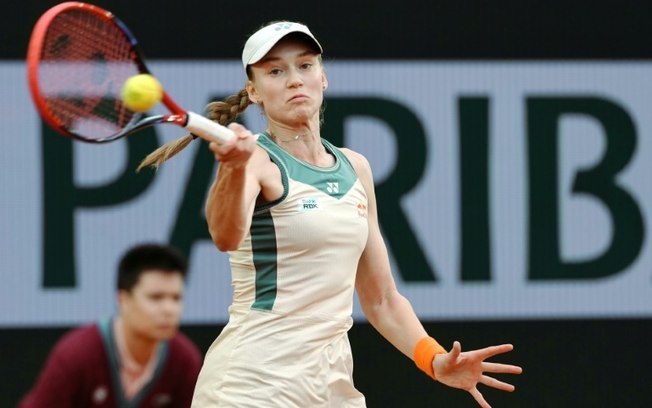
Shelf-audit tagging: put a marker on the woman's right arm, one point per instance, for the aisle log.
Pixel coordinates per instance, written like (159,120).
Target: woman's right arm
(232,197)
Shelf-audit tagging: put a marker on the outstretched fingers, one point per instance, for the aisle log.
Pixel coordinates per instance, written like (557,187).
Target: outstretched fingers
(501,368)
(491,351)
(469,369)
(456,350)
(497,384)
(477,395)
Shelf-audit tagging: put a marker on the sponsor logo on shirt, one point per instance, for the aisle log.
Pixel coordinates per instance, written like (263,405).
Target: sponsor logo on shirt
(333,187)
(308,204)
(362,209)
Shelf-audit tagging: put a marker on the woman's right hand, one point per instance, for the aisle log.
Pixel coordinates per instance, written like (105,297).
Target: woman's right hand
(237,151)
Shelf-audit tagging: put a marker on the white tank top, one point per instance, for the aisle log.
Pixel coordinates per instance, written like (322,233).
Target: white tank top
(301,253)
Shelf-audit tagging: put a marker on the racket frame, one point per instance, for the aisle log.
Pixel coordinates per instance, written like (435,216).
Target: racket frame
(196,124)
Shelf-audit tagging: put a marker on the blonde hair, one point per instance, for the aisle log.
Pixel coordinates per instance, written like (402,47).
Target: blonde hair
(222,112)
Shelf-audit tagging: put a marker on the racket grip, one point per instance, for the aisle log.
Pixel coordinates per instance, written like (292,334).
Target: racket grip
(207,129)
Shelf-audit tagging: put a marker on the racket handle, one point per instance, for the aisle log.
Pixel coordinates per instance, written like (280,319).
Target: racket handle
(207,129)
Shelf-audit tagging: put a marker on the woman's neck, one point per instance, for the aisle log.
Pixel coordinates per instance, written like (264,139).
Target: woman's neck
(283,134)
(308,149)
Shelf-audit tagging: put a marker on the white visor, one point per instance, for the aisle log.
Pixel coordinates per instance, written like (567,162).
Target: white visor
(260,42)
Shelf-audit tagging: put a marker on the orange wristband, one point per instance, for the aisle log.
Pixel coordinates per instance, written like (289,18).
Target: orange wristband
(424,354)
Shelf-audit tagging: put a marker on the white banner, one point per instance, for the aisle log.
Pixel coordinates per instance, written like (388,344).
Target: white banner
(602,262)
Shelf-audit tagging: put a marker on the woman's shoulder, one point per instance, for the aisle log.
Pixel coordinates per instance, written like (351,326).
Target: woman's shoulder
(358,161)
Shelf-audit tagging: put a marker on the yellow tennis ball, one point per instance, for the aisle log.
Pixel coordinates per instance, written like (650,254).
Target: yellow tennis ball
(141,92)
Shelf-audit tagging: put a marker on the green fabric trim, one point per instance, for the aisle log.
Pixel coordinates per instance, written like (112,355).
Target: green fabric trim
(265,259)
(335,181)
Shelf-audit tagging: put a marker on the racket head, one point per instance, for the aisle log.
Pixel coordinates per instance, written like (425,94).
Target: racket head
(78,58)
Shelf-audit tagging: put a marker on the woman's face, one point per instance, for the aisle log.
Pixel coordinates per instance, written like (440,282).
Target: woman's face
(289,83)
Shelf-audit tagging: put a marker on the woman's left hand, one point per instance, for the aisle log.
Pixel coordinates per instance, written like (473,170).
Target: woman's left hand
(464,370)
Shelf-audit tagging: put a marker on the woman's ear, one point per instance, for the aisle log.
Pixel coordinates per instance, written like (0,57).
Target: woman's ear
(251,91)
(324,82)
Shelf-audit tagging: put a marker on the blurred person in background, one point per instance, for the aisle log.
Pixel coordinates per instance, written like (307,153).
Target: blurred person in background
(135,359)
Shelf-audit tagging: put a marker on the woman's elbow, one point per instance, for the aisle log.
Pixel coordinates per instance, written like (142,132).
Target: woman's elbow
(225,246)
(226,241)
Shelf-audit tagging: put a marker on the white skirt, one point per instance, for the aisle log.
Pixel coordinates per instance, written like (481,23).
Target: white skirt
(265,360)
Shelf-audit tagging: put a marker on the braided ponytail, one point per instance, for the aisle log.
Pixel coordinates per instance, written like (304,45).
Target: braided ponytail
(222,112)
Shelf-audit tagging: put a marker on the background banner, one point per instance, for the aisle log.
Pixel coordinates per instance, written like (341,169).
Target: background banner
(507,190)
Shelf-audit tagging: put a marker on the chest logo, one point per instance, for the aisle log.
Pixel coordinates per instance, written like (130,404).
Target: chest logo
(332,187)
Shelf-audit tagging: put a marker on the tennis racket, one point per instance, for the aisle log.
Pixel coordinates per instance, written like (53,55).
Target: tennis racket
(78,58)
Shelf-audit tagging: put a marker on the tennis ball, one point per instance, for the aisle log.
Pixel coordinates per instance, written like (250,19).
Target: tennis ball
(141,92)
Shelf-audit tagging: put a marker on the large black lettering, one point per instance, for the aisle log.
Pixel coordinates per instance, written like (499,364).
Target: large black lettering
(600,182)
(61,198)
(475,257)
(410,165)
(190,223)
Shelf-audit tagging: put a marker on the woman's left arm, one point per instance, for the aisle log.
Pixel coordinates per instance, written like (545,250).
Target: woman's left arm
(386,309)
(392,315)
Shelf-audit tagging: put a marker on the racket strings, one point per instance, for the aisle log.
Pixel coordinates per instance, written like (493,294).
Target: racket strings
(84,63)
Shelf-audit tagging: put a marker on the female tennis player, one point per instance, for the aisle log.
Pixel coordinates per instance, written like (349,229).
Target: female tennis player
(298,217)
